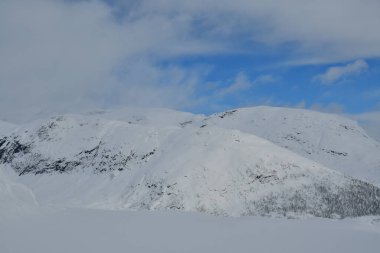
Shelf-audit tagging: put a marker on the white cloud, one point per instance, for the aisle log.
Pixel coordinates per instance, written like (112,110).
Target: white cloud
(321,31)
(336,73)
(59,56)
(301,104)
(242,82)
(328,108)
(66,55)
(370,121)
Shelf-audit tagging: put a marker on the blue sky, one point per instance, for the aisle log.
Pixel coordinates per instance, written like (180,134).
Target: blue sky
(293,86)
(62,56)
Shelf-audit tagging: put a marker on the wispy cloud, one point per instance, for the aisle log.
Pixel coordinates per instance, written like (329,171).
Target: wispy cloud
(337,73)
(243,82)
(329,108)
(321,31)
(370,121)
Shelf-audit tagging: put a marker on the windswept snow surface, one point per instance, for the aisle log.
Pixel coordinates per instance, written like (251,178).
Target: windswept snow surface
(89,161)
(334,141)
(100,231)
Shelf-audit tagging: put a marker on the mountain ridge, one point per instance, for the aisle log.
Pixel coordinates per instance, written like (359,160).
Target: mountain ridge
(332,140)
(95,161)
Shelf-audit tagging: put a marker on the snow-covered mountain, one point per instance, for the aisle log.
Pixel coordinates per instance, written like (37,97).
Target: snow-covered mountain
(162,159)
(334,141)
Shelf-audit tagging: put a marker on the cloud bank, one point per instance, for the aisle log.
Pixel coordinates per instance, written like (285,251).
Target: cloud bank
(334,74)
(66,55)
(59,56)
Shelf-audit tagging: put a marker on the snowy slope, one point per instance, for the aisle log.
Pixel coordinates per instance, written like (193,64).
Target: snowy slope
(15,198)
(334,141)
(88,161)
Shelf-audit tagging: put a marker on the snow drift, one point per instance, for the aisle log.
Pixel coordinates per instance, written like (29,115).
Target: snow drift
(15,198)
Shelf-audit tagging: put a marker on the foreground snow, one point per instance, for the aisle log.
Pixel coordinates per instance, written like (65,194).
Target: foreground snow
(15,198)
(85,230)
